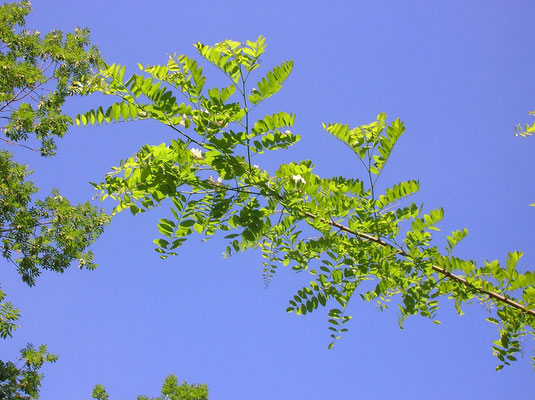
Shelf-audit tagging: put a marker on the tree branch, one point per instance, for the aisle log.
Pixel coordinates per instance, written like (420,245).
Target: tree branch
(460,279)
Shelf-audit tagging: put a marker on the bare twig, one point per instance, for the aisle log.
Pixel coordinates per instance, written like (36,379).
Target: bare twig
(18,144)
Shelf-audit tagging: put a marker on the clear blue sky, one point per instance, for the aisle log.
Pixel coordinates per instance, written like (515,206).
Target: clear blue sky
(460,74)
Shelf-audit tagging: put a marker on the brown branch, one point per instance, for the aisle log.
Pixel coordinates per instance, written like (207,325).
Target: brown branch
(20,95)
(436,268)
(18,144)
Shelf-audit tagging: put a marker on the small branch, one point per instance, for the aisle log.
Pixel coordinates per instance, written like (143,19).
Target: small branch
(185,135)
(20,95)
(18,144)
(246,120)
(36,225)
(436,268)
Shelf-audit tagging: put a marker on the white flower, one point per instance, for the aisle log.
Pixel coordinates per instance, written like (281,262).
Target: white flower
(256,166)
(183,121)
(196,153)
(298,179)
(287,132)
(215,183)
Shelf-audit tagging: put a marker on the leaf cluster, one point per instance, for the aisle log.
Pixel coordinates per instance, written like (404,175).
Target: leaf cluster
(48,234)
(23,382)
(526,130)
(171,390)
(36,76)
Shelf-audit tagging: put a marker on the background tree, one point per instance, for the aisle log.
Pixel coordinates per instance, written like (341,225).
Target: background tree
(99,393)
(22,382)
(171,390)
(349,237)
(47,233)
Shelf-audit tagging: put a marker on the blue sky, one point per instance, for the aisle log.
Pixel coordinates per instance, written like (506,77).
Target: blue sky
(458,73)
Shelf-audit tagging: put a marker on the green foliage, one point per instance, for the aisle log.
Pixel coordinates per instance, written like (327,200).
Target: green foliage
(36,74)
(370,142)
(48,233)
(527,130)
(23,383)
(347,236)
(51,233)
(45,234)
(99,393)
(171,390)
(8,316)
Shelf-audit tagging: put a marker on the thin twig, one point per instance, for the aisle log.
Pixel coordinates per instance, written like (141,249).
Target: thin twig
(18,144)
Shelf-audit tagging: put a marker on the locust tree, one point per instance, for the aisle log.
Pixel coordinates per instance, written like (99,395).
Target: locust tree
(354,241)
(37,232)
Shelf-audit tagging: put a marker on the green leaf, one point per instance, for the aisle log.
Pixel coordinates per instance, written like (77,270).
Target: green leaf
(161,243)
(187,223)
(271,122)
(271,83)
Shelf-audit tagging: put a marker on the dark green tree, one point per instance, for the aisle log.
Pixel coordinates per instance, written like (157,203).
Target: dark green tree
(46,233)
